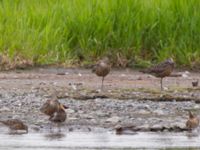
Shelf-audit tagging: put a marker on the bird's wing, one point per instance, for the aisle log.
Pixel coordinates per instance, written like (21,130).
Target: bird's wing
(159,68)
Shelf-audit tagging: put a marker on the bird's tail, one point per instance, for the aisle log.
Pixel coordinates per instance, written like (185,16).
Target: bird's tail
(190,114)
(94,68)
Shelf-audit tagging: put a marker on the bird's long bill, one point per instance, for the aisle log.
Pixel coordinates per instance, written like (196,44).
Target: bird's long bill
(64,106)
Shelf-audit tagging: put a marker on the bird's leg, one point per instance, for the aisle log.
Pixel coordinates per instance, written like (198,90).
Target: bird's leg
(161,87)
(50,126)
(59,128)
(102,83)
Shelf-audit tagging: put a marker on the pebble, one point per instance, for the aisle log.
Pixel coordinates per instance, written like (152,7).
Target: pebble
(114,119)
(4,109)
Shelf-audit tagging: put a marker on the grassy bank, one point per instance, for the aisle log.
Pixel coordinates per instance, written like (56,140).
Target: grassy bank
(57,31)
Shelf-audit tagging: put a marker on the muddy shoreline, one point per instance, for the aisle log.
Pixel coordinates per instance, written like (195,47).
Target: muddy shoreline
(130,99)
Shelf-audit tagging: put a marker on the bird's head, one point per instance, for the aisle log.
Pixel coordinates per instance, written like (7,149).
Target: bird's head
(170,60)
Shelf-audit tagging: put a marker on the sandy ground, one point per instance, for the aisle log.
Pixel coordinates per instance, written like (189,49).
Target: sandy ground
(129,98)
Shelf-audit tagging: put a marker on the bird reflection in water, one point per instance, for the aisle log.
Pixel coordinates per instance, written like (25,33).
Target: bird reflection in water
(54,136)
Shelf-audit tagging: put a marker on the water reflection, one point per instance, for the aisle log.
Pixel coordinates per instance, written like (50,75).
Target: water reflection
(105,140)
(54,136)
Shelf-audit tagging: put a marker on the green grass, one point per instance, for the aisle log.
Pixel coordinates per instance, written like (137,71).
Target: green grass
(57,31)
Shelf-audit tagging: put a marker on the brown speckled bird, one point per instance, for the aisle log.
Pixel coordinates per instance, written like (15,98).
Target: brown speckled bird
(54,109)
(192,122)
(15,124)
(161,70)
(59,116)
(50,106)
(102,69)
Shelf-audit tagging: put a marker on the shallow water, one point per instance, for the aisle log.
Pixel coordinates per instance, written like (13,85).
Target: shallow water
(106,140)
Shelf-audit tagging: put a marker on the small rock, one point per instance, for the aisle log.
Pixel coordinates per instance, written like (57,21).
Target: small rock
(180,125)
(71,129)
(114,119)
(73,118)
(144,127)
(80,74)
(185,75)
(196,107)
(187,72)
(143,112)
(36,128)
(70,111)
(156,127)
(101,114)
(4,109)
(159,112)
(86,116)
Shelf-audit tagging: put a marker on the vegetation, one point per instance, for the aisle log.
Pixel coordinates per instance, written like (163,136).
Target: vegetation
(72,31)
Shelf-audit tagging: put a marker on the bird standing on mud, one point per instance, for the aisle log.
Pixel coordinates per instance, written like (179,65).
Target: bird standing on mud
(192,122)
(102,69)
(161,70)
(59,116)
(55,110)
(50,106)
(15,125)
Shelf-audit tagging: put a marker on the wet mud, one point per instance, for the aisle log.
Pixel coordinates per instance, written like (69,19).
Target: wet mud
(130,101)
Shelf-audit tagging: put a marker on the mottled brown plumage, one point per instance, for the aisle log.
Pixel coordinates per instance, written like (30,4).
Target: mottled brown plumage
(15,124)
(102,69)
(50,106)
(59,116)
(192,122)
(161,70)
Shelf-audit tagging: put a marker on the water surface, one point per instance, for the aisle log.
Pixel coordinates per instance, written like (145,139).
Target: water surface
(106,140)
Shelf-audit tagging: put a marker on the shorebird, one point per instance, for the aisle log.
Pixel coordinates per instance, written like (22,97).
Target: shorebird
(102,69)
(15,124)
(50,106)
(54,109)
(161,70)
(59,116)
(195,83)
(192,122)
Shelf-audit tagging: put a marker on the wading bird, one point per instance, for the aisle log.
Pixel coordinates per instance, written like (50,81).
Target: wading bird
(195,83)
(59,116)
(192,122)
(50,106)
(161,70)
(102,69)
(15,125)
(54,109)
